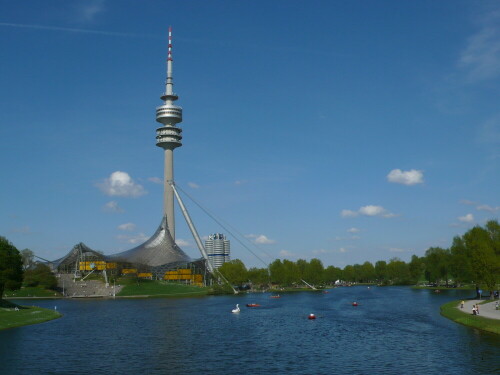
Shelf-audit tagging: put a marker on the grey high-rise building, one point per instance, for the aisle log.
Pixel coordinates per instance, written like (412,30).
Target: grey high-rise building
(218,249)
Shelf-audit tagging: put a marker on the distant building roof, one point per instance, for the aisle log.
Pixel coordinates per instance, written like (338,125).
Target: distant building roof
(74,254)
(159,250)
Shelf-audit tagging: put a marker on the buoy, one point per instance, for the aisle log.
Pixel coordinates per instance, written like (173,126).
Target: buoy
(355,304)
(312,316)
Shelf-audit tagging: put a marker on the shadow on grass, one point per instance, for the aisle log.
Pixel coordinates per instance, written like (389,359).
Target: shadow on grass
(9,305)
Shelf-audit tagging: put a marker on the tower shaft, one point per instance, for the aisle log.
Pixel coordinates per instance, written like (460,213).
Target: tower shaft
(168,200)
(168,136)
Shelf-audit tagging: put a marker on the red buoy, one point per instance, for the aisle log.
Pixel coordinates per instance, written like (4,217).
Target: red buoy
(355,304)
(312,316)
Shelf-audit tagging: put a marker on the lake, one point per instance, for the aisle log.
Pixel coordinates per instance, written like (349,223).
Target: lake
(394,330)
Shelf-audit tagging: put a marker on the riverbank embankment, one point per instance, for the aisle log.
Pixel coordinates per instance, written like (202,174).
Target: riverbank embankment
(12,315)
(487,320)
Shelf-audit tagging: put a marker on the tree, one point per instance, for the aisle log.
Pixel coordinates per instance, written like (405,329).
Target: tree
(28,259)
(367,272)
(301,265)
(332,274)
(437,262)
(40,275)
(460,262)
(485,263)
(234,271)
(381,271)
(416,268)
(277,272)
(11,266)
(398,272)
(290,272)
(258,276)
(348,273)
(314,272)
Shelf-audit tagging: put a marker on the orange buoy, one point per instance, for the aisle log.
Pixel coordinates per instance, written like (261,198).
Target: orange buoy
(312,316)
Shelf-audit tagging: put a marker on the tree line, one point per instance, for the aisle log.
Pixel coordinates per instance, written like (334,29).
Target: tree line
(18,268)
(473,258)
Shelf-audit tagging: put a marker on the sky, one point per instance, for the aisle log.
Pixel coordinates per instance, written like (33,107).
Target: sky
(348,131)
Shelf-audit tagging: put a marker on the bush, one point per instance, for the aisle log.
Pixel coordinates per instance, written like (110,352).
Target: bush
(41,275)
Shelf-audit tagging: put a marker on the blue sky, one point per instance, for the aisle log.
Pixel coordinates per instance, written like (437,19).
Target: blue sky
(342,130)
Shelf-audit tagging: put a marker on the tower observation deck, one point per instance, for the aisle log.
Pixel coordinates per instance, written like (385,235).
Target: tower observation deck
(168,136)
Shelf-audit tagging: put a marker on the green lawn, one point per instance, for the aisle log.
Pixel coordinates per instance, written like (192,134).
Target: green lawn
(156,288)
(26,315)
(31,292)
(450,311)
(465,287)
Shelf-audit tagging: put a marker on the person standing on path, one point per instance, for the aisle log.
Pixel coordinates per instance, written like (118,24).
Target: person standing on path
(477,309)
(462,304)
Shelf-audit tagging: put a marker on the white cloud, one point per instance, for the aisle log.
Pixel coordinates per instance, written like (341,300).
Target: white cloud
(466,201)
(396,250)
(240,182)
(354,230)
(122,185)
(348,213)
(411,177)
(127,227)
(260,239)
(156,180)
(89,9)
(113,206)
(467,218)
(480,58)
(489,132)
(76,30)
(182,243)
(285,253)
(320,251)
(369,210)
(138,238)
(193,185)
(21,230)
(485,207)
(342,250)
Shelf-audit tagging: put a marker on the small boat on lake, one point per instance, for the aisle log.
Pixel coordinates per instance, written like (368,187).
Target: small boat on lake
(253,305)
(277,296)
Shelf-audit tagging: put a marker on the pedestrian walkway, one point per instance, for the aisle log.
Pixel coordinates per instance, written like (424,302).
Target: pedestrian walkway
(487,310)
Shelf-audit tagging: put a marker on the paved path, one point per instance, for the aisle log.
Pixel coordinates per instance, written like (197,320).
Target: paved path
(487,310)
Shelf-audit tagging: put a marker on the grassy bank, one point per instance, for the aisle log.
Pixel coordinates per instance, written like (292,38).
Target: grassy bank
(31,292)
(146,288)
(465,287)
(450,311)
(24,315)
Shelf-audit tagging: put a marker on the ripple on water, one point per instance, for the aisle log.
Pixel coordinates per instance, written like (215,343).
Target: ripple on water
(392,331)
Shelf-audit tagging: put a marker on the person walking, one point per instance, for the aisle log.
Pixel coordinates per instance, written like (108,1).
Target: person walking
(473,309)
(477,309)
(462,304)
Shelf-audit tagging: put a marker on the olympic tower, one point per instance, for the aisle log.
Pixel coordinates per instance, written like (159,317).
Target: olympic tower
(168,137)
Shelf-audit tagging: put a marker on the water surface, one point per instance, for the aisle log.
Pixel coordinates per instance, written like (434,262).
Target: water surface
(394,330)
